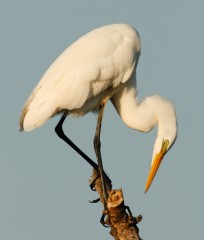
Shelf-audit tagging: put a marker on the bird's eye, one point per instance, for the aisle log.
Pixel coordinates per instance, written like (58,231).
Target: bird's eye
(166,142)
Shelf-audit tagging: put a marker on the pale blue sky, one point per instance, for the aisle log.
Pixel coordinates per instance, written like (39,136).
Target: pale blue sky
(43,184)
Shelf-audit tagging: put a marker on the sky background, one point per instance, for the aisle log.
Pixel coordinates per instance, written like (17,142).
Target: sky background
(44,189)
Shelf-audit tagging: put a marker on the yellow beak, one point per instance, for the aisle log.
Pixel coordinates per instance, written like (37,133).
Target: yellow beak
(156,163)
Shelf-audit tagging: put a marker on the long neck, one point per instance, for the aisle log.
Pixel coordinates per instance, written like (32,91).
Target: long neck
(140,116)
(144,116)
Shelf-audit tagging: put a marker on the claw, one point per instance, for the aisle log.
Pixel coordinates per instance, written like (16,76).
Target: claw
(92,184)
(95,200)
(102,220)
(128,209)
(96,176)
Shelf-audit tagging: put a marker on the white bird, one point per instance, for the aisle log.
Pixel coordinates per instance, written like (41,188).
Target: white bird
(98,67)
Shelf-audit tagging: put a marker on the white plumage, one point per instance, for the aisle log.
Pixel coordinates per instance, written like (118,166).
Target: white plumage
(102,59)
(101,64)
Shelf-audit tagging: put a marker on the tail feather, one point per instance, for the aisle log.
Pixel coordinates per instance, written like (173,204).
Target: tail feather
(23,114)
(35,114)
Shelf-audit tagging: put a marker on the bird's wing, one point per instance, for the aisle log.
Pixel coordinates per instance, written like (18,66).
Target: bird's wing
(102,59)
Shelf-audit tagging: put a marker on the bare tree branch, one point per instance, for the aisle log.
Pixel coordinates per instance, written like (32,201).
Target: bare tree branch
(117,216)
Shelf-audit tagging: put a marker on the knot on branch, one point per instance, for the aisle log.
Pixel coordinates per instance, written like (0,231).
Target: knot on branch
(115,198)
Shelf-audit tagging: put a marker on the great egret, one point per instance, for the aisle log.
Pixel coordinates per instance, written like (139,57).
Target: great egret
(98,67)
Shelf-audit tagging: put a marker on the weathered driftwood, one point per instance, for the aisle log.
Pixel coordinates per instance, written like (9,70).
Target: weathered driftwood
(117,216)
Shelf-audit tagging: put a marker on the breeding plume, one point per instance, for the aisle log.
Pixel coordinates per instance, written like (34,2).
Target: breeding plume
(98,67)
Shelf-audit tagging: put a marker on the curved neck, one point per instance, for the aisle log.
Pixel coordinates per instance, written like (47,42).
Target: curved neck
(145,115)
(140,116)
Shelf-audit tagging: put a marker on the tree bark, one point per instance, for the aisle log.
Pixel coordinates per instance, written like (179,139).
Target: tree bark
(117,216)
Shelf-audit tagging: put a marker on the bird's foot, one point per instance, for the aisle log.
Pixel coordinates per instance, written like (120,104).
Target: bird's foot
(92,184)
(95,182)
(104,218)
(95,176)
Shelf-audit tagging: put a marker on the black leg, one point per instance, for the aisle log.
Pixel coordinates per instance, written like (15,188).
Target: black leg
(60,133)
(97,147)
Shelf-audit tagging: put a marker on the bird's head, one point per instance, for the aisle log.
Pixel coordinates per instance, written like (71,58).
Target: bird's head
(167,133)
